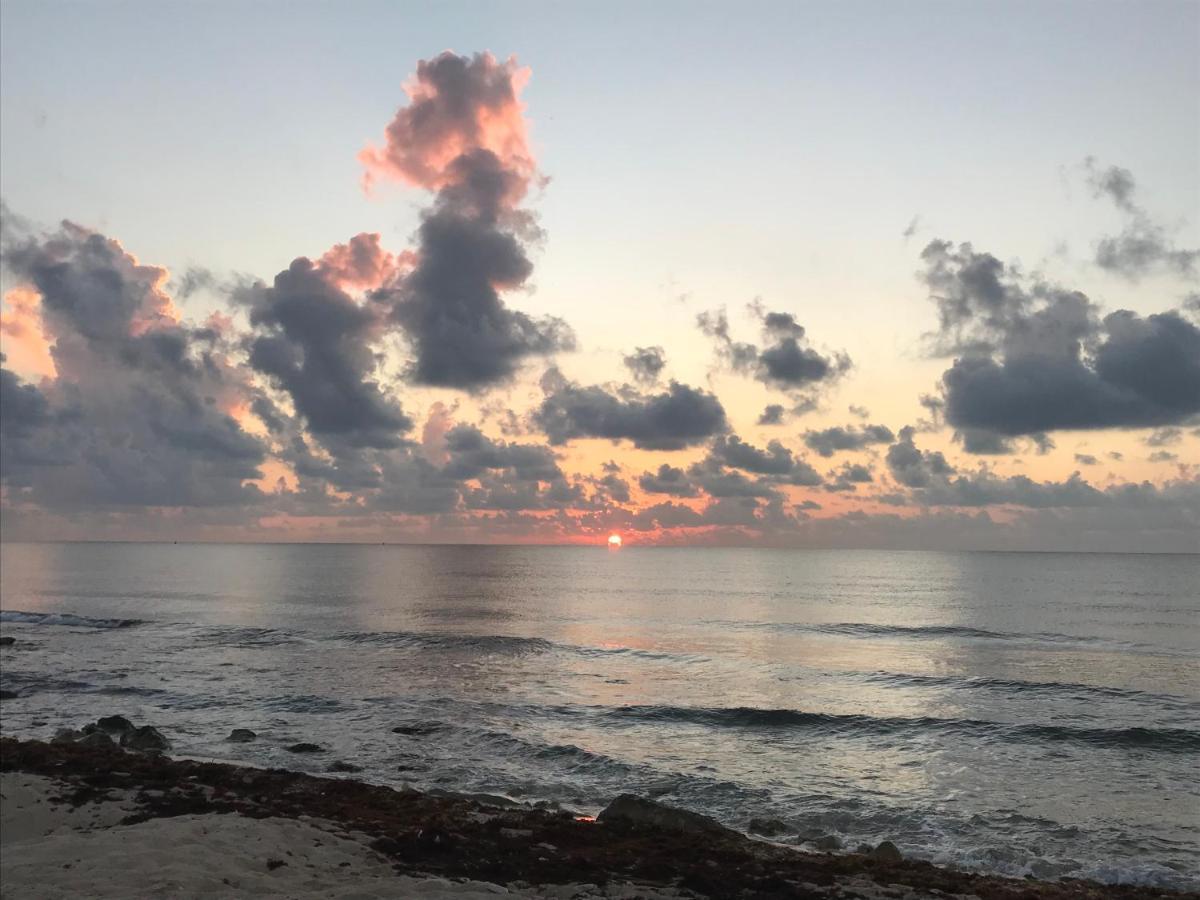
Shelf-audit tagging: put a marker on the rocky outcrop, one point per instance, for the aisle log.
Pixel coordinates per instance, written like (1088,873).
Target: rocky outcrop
(146,739)
(768,827)
(241,736)
(630,809)
(305,747)
(886,852)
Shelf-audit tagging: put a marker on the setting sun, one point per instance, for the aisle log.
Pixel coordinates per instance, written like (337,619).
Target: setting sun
(614,541)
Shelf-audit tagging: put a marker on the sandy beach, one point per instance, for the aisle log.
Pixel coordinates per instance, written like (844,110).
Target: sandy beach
(100,821)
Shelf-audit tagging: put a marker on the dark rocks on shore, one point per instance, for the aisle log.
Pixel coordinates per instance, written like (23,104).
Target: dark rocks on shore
(109,725)
(827,842)
(241,736)
(305,747)
(631,809)
(768,827)
(147,739)
(339,766)
(886,852)
(7,641)
(97,739)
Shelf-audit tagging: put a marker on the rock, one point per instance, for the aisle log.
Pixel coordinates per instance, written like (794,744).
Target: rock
(886,852)
(339,766)
(147,739)
(8,695)
(7,641)
(828,842)
(66,736)
(863,849)
(305,747)
(768,827)
(109,725)
(241,736)
(418,729)
(635,810)
(97,739)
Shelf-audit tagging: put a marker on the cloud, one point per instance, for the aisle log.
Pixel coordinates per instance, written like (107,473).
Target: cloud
(1142,246)
(849,477)
(316,343)
(772,414)
(139,409)
(1086,459)
(679,417)
(718,473)
(912,467)
(646,364)
(463,135)
(829,441)
(667,480)
(784,362)
(1031,359)
(1164,437)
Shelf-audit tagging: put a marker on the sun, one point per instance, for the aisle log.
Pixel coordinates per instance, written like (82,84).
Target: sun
(614,541)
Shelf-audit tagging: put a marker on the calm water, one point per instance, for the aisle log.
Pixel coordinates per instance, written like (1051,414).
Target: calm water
(1022,713)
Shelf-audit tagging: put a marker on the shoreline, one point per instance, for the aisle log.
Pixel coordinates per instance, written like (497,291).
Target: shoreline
(638,844)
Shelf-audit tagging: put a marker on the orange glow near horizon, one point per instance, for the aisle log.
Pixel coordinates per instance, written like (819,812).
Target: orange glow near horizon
(614,542)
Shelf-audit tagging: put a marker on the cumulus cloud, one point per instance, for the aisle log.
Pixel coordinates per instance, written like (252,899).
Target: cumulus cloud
(772,414)
(784,362)
(140,408)
(316,343)
(667,480)
(646,364)
(829,441)
(463,135)
(1033,358)
(1142,246)
(679,417)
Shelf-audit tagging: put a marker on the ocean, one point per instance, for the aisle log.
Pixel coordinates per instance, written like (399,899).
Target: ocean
(1027,714)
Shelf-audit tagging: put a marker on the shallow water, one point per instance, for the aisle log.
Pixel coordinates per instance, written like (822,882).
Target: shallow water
(1020,713)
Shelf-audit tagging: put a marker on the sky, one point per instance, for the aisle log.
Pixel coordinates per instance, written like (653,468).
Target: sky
(911,275)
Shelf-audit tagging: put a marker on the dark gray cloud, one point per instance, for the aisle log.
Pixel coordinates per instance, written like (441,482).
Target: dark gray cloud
(784,362)
(1164,437)
(646,364)
(829,441)
(1034,359)
(772,414)
(934,482)
(138,411)
(317,344)
(667,480)
(849,477)
(776,463)
(1086,459)
(1142,246)
(912,467)
(470,246)
(462,135)
(679,417)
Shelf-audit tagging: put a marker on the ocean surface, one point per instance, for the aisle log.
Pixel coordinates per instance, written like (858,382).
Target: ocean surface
(1018,713)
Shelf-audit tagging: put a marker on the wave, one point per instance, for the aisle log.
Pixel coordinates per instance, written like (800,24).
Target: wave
(487,643)
(1020,686)
(32,618)
(874,629)
(1177,740)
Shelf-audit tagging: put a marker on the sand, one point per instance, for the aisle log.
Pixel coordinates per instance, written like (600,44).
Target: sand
(88,821)
(51,850)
